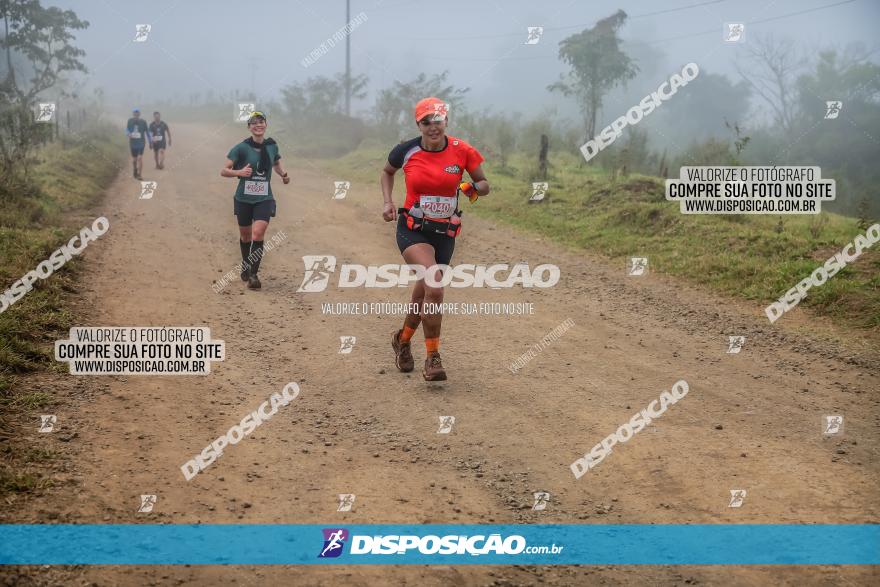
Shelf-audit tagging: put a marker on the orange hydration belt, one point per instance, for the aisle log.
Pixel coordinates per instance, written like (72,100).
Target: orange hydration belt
(449,226)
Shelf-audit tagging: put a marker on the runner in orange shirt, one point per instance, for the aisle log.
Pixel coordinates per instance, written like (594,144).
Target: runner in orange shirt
(429,221)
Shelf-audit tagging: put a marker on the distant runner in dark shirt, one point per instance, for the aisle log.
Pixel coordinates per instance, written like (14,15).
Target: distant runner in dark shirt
(161,139)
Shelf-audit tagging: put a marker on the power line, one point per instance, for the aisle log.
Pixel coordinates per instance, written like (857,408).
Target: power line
(688,36)
(782,16)
(559,28)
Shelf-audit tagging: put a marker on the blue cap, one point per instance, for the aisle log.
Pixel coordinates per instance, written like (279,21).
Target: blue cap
(136,110)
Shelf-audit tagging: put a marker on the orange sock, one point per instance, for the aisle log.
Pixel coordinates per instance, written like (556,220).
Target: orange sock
(407,333)
(432,344)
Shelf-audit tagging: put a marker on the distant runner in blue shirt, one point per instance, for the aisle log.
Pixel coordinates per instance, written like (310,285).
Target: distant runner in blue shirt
(138,134)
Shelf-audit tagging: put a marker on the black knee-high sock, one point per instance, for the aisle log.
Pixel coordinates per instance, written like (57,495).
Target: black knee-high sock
(256,256)
(245,251)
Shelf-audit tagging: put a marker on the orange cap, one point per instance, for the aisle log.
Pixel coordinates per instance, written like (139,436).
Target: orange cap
(431,106)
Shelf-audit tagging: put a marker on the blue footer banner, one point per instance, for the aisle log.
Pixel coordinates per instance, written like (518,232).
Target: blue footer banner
(446,544)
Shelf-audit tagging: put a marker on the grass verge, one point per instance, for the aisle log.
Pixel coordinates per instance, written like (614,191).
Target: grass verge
(37,215)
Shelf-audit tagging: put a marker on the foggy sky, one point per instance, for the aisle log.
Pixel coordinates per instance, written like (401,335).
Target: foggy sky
(197,45)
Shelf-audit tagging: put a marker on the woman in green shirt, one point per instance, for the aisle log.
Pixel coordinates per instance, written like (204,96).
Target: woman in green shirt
(252,161)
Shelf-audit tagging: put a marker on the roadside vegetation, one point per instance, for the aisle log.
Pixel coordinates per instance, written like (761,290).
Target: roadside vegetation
(52,174)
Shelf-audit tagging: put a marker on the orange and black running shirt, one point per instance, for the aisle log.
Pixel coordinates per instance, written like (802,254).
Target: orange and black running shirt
(432,177)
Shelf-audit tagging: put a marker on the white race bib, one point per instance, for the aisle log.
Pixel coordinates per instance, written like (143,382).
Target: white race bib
(157,138)
(256,188)
(438,206)
(135,134)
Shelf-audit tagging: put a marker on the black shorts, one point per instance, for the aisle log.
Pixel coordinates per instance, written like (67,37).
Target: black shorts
(158,145)
(443,245)
(137,149)
(247,213)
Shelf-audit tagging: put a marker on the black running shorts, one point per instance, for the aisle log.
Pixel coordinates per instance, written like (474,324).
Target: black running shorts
(443,244)
(247,213)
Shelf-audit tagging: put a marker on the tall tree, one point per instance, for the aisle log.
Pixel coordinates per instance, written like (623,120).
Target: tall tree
(597,65)
(37,46)
(772,70)
(43,36)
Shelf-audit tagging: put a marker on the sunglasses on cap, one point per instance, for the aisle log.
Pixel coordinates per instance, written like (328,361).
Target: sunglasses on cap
(254,116)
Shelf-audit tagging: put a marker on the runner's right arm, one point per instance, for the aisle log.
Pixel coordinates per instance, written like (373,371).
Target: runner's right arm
(386,180)
(228,171)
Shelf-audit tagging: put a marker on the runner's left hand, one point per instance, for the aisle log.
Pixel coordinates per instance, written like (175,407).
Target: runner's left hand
(468,189)
(389,213)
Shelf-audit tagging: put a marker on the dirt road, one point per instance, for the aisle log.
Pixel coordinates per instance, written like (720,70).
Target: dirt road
(751,420)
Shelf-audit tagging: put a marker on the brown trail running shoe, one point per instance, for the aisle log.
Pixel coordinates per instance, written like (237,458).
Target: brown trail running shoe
(402,353)
(254,282)
(434,368)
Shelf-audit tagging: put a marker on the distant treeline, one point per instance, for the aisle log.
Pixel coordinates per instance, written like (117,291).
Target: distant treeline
(775,113)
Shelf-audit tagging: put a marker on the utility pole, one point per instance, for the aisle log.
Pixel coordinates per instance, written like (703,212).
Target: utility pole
(348,60)
(252,66)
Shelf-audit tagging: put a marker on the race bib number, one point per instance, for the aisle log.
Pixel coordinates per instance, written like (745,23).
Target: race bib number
(135,134)
(438,206)
(157,138)
(256,188)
